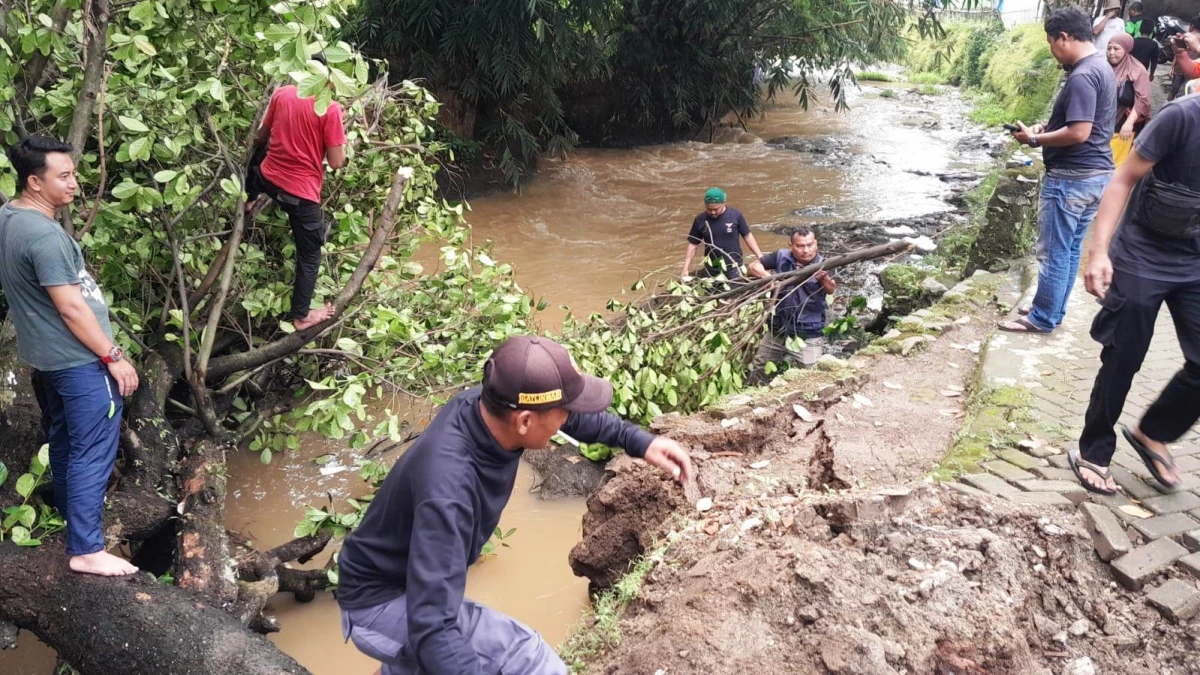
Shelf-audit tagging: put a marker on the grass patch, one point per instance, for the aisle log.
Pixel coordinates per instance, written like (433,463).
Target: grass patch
(928,90)
(887,93)
(605,630)
(874,76)
(997,418)
(925,78)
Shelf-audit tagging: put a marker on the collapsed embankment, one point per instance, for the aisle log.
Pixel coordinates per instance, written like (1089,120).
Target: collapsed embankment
(818,547)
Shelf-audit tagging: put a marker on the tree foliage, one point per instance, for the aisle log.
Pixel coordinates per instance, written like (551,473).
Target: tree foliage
(523,75)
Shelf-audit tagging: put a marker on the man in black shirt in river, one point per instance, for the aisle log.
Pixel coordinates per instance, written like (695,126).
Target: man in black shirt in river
(718,228)
(1153,258)
(403,571)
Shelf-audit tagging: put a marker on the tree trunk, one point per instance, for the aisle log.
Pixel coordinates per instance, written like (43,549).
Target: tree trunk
(132,626)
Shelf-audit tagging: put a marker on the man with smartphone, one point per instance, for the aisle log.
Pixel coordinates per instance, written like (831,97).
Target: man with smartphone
(1079,162)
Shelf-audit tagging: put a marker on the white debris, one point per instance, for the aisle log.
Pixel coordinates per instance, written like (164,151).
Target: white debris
(900,231)
(892,385)
(750,524)
(704,504)
(923,243)
(731,422)
(1080,666)
(761,465)
(863,400)
(1079,628)
(802,412)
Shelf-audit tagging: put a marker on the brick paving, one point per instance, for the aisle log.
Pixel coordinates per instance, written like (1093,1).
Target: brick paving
(1153,543)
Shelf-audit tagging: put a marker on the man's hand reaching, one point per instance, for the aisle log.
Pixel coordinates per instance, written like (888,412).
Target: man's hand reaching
(669,456)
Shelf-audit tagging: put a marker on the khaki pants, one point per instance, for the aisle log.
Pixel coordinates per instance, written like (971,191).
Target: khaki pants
(774,349)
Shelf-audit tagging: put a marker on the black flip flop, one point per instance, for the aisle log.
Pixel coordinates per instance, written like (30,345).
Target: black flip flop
(1027,327)
(1149,457)
(1078,464)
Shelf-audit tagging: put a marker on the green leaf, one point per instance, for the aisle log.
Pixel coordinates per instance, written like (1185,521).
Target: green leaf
(166,175)
(278,32)
(140,148)
(318,386)
(25,485)
(311,85)
(143,44)
(43,460)
(25,514)
(337,53)
(231,186)
(20,536)
(265,456)
(3,473)
(126,190)
(133,124)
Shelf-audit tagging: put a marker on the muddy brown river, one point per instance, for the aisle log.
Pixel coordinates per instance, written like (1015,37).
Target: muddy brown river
(585,229)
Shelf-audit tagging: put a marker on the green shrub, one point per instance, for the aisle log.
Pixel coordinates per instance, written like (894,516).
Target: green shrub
(1022,73)
(925,78)
(874,76)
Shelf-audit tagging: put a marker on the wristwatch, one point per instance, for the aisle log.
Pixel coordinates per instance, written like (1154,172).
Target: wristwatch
(115,354)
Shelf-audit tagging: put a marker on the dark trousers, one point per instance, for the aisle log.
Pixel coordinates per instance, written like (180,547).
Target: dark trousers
(1124,327)
(81,415)
(308,231)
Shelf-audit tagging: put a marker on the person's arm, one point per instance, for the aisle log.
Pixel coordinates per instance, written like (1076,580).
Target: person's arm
(1099,272)
(334,137)
(760,268)
(613,431)
(1126,129)
(1099,24)
(744,230)
(1072,134)
(694,239)
(54,262)
(1186,66)
(437,578)
(1080,114)
(828,283)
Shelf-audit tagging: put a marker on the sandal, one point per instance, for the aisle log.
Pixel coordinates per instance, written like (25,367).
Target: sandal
(1021,325)
(1149,457)
(1078,464)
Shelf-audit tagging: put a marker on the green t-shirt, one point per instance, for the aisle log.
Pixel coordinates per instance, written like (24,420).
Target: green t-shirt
(35,253)
(1134,27)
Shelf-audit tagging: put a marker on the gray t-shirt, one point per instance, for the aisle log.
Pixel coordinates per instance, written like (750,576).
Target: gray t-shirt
(1088,95)
(1172,141)
(35,253)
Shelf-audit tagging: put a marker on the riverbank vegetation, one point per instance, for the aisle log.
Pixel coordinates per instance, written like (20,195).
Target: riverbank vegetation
(1010,74)
(532,78)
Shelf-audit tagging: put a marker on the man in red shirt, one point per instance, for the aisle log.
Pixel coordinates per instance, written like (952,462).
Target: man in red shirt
(1188,42)
(291,174)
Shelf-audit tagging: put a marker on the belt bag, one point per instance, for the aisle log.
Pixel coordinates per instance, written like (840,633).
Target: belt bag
(1168,209)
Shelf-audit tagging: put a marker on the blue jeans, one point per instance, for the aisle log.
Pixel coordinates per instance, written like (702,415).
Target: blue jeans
(81,415)
(1065,211)
(503,645)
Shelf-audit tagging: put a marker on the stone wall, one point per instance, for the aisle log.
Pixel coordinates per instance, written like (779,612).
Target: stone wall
(1009,225)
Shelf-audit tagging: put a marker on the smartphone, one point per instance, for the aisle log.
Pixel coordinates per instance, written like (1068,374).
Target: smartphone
(1012,128)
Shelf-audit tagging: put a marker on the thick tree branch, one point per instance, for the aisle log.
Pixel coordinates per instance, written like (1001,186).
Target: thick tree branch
(227,365)
(95,39)
(91,217)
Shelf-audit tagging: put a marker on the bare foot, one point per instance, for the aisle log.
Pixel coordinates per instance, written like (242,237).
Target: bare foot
(1169,473)
(101,563)
(314,317)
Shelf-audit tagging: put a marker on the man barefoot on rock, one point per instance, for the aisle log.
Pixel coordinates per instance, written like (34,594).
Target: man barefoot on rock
(292,174)
(403,571)
(63,332)
(1153,207)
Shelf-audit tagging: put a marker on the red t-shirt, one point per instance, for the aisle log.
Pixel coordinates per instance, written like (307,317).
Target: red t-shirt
(299,139)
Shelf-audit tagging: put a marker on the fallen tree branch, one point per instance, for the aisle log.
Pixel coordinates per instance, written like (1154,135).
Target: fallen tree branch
(223,366)
(132,626)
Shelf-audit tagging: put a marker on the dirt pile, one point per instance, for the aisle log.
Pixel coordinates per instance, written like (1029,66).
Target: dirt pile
(891,581)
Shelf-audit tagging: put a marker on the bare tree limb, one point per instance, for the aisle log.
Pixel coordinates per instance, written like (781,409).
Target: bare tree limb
(227,365)
(91,217)
(95,38)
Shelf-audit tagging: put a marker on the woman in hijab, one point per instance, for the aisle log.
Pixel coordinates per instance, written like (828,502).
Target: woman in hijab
(1133,87)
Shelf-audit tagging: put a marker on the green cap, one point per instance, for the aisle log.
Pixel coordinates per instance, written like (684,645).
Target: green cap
(714,196)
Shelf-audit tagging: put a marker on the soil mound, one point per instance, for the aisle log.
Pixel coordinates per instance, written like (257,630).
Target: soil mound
(889,582)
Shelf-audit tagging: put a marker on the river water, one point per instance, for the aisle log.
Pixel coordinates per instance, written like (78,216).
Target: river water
(582,232)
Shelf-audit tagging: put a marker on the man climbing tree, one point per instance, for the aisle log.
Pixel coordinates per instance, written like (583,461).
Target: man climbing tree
(292,143)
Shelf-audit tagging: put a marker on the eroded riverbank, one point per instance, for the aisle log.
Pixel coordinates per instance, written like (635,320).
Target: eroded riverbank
(585,230)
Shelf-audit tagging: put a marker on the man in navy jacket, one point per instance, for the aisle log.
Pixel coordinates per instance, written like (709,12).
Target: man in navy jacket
(403,571)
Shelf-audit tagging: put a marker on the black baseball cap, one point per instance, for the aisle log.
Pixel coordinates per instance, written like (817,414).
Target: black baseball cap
(528,372)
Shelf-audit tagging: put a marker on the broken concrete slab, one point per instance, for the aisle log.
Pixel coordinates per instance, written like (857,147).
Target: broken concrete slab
(1143,563)
(1191,564)
(1007,471)
(989,484)
(1177,600)
(967,490)
(1021,459)
(1073,491)
(1172,525)
(1176,502)
(1054,473)
(1192,540)
(1039,498)
(1108,535)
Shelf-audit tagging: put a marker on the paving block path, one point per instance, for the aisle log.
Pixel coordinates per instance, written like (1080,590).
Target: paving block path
(1149,540)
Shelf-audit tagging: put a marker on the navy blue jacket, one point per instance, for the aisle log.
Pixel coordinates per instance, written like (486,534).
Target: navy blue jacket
(428,522)
(801,311)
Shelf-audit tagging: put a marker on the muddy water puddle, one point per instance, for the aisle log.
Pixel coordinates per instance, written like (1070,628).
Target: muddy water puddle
(529,580)
(584,230)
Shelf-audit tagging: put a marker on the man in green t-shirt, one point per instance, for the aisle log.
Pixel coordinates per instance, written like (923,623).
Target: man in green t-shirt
(1133,25)
(63,333)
